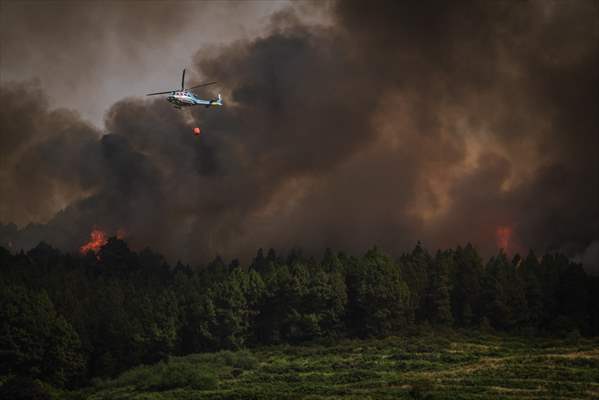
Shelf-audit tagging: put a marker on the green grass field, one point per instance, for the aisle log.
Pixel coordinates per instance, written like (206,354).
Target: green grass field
(448,366)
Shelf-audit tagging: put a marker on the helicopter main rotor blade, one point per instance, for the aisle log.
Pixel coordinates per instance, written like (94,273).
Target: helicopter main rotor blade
(183,80)
(153,94)
(200,85)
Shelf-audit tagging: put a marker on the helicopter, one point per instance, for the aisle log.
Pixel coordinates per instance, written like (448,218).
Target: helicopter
(185,98)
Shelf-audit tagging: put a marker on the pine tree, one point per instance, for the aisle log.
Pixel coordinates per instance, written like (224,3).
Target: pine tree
(504,294)
(379,298)
(493,293)
(416,269)
(530,274)
(331,262)
(438,298)
(466,285)
(35,340)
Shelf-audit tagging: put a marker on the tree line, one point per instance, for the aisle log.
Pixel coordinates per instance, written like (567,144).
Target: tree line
(66,318)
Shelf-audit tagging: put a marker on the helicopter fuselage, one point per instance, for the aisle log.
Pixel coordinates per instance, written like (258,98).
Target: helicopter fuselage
(185,98)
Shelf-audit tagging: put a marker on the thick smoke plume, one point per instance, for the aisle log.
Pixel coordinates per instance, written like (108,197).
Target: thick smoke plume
(398,121)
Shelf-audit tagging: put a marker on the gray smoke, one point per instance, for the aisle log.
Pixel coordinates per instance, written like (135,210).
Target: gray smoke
(399,121)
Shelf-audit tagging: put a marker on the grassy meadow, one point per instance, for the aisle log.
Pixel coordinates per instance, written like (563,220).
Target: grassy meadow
(441,366)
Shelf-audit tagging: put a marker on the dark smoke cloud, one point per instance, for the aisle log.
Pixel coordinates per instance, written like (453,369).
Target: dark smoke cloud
(91,54)
(590,258)
(46,156)
(525,74)
(401,121)
(75,40)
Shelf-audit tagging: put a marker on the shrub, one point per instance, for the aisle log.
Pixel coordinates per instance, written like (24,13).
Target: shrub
(356,376)
(179,375)
(421,391)
(245,360)
(163,376)
(241,359)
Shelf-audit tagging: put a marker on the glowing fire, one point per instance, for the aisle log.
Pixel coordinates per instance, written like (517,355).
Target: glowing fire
(503,233)
(97,240)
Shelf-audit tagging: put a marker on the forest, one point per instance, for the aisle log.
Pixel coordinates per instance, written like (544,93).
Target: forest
(69,318)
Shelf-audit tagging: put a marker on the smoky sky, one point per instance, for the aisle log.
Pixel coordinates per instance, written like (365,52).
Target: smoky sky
(87,55)
(393,122)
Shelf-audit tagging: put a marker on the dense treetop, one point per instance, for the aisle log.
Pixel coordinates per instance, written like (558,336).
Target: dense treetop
(67,317)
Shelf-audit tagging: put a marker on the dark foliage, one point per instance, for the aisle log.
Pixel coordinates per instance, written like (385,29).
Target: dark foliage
(66,318)
(23,388)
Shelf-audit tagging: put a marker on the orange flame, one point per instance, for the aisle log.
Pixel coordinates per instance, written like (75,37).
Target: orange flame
(504,234)
(97,240)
